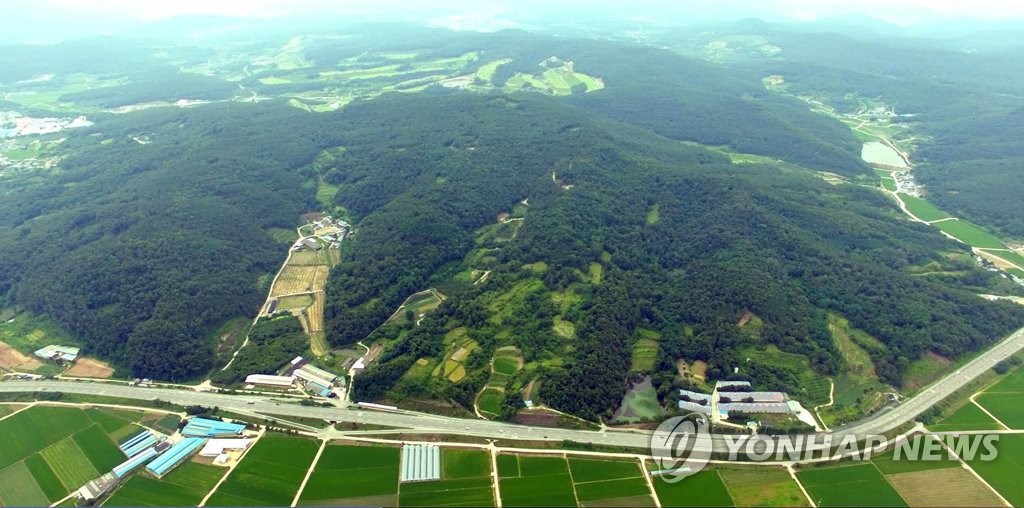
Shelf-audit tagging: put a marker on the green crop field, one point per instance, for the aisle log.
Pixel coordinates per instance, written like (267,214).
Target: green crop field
(860,483)
(46,478)
(887,463)
(19,488)
(590,470)
(36,428)
(346,471)
(506,365)
(1005,472)
(1011,383)
(186,485)
(601,480)
(454,492)
(69,463)
(97,446)
(1004,406)
(535,481)
(490,401)
(457,463)
(922,209)
(269,474)
(970,234)
(112,420)
(611,489)
(762,487)
(968,417)
(701,489)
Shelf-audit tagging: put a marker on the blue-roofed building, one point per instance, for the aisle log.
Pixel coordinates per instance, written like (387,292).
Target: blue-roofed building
(202,427)
(131,464)
(136,439)
(148,442)
(175,455)
(318,389)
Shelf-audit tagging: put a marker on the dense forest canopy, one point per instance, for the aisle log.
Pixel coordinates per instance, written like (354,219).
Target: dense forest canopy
(628,217)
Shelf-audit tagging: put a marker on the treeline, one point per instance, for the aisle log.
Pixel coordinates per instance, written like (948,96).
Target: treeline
(272,344)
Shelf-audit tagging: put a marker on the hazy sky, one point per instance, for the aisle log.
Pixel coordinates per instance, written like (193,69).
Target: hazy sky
(58,19)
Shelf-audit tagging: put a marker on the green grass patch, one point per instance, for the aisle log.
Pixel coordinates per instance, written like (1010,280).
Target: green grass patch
(610,489)
(596,272)
(19,488)
(353,471)
(112,420)
(563,328)
(862,484)
(814,388)
(702,489)
(970,234)
(922,209)
(456,492)
(508,465)
(1012,257)
(29,332)
(762,487)
(644,355)
(269,475)
(543,490)
(654,214)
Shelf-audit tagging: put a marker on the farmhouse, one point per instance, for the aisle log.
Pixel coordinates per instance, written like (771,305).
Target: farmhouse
(268,380)
(58,353)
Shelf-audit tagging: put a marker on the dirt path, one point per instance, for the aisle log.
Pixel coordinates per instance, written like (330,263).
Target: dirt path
(792,474)
(990,415)
(831,400)
(312,466)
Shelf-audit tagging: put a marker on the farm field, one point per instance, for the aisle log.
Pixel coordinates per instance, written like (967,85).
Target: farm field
(47,452)
(269,475)
(465,481)
(952,486)
(1005,406)
(970,234)
(1012,257)
(968,417)
(490,400)
(1004,473)
(644,350)
(839,485)
(299,279)
(603,482)
(186,485)
(535,481)
(705,488)
(419,303)
(348,474)
(762,487)
(922,209)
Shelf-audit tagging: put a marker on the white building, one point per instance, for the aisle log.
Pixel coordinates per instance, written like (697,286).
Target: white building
(217,447)
(265,379)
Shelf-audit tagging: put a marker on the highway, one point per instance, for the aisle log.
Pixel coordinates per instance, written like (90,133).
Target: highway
(422,422)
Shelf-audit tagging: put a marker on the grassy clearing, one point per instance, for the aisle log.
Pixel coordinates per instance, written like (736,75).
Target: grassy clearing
(596,272)
(922,209)
(762,487)
(814,388)
(345,471)
(705,488)
(487,70)
(924,370)
(270,474)
(970,234)
(456,463)
(644,350)
(838,485)
(506,365)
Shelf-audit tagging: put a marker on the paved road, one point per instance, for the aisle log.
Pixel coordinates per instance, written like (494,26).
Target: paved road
(880,423)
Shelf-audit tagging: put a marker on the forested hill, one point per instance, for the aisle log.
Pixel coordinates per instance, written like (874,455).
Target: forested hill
(153,230)
(722,240)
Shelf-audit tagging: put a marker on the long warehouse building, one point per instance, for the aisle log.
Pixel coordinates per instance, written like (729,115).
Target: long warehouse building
(421,463)
(135,462)
(202,427)
(175,455)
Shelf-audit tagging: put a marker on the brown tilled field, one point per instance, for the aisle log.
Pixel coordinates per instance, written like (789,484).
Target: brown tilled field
(11,358)
(306,258)
(296,279)
(90,367)
(951,486)
(315,312)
